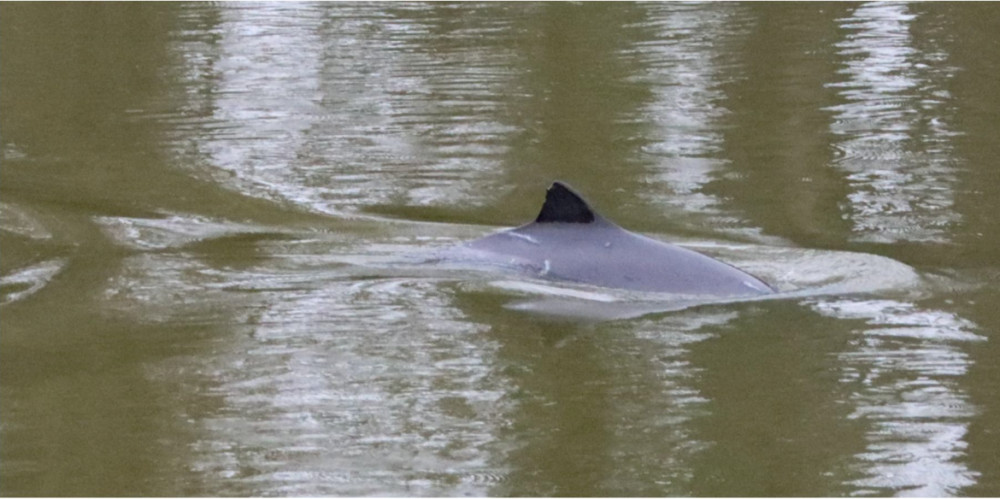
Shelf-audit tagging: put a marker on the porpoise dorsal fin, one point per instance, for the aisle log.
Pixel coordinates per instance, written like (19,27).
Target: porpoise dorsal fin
(562,205)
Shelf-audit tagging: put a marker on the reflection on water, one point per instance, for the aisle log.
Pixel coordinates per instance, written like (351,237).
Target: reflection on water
(315,407)
(685,66)
(201,285)
(368,113)
(602,412)
(902,365)
(893,128)
(323,384)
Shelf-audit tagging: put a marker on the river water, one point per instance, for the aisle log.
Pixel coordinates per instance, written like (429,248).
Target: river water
(204,207)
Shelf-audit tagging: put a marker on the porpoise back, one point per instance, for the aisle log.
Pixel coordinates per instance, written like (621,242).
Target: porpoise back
(569,241)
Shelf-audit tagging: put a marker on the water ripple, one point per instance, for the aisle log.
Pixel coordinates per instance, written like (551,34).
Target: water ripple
(894,128)
(338,109)
(902,366)
(311,375)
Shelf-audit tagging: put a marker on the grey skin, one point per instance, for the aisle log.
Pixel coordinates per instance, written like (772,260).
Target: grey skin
(569,242)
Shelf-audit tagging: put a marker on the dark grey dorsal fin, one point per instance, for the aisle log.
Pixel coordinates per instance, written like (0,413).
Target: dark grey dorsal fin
(562,205)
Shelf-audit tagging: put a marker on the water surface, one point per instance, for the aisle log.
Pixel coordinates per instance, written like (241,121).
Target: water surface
(203,209)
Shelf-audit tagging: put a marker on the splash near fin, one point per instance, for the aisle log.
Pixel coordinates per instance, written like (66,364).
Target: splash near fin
(562,205)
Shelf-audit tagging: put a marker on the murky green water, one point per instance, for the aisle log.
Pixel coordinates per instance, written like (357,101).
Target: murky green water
(198,203)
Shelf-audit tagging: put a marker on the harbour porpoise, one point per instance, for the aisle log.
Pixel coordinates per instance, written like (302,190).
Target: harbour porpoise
(568,241)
